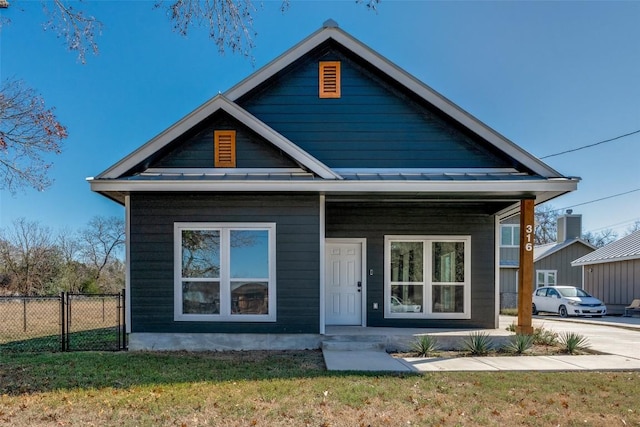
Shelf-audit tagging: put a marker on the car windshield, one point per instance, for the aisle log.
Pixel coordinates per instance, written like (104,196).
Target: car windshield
(573,292)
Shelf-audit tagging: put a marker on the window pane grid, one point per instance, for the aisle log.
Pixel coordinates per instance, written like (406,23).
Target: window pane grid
(510,235)
(444,263)
(225,271)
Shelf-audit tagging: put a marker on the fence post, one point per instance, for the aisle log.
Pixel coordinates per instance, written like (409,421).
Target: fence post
(68,320)
(124,319)
(24,314)
(63,323)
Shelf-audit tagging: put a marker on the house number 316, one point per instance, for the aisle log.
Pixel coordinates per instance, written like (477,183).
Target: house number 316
(528,246)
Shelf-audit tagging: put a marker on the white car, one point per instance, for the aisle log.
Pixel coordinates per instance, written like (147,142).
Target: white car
(398,306)
(567,301)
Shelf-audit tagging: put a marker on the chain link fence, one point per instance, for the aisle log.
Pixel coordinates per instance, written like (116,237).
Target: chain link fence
(67,322)
(508,300)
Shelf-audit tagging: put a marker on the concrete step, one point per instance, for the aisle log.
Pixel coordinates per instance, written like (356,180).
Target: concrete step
(354,343)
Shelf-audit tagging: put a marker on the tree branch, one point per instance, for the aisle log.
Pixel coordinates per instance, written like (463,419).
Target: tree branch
(78,30)
(28,131)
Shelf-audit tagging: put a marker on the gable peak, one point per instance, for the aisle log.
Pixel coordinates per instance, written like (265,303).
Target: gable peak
(330,23)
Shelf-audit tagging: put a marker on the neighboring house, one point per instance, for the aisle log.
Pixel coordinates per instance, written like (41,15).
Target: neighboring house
(330,187)
(551,262)
(612,273)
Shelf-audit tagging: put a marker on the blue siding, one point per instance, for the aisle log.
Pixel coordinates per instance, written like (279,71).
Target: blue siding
(196,150)
(374,124)
(374,221)
(297,257)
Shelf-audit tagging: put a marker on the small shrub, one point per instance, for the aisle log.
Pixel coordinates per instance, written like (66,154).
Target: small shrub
(425,345)
(512,327)
(478,343)
(572,342)
(519,343)
(542,336)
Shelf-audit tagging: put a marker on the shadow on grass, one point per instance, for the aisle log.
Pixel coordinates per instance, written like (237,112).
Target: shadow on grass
(21,373)
(103,339)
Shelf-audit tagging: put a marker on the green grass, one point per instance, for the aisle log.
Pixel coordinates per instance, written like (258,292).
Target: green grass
(294,389)
(95,339)
(509,311)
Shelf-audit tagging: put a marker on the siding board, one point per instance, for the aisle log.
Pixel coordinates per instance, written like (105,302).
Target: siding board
(372,110)
(197,151)
(373,222)
(297,257)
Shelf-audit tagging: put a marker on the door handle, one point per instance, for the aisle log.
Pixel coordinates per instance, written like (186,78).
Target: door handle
(359,286)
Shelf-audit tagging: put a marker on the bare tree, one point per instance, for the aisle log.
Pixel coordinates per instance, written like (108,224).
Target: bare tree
(28,131)
(600,239)
(73,273)
(100,242)
(28,255)
(633,228)
(75,27)
(546,228)
(228,22)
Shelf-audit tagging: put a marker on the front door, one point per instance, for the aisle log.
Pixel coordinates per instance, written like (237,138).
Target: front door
(343,283)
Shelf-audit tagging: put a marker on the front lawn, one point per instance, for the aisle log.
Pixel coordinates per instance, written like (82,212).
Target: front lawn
(294,389)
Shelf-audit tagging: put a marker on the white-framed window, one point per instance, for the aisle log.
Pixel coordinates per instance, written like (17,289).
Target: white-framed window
(225,272)
(546,278)
(509,235)
(428,277)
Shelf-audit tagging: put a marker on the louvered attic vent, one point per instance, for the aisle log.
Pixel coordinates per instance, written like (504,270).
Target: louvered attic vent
(225,148)
(330,79)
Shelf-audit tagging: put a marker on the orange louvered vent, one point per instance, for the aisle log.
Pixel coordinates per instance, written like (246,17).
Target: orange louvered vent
(225,148)
(330,79)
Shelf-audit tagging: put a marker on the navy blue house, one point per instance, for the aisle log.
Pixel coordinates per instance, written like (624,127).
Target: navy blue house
(330,187)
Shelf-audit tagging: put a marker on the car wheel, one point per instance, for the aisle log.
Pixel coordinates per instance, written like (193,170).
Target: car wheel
(533,309)
(562,311)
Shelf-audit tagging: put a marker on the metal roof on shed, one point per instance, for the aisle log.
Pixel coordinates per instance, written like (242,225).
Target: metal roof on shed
(624,249)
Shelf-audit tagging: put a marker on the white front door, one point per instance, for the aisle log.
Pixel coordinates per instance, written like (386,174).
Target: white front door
(343,283)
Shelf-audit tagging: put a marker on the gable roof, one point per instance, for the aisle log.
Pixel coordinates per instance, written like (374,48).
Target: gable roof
(330,31)
(217,103)
(535,180)
(627,248)
(542,251)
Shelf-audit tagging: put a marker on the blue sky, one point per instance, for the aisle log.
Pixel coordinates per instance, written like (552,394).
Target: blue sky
(550,76)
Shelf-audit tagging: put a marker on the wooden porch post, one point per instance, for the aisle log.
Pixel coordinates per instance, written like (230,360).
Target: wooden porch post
(525,273)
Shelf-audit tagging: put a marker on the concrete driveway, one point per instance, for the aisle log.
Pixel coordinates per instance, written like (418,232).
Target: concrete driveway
(613,335)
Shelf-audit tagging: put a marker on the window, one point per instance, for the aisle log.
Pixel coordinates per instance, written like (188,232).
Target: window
(428,277)
(224,142)
(545,278)
(541,292)
(510,235)
(225,272)
(329,80)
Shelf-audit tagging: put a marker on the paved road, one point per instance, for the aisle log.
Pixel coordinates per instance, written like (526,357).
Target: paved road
(613,335)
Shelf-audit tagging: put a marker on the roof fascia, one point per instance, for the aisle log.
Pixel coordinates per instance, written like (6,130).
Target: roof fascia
(219,102)
(483,189)
(577,263)
(403,77)
(562,246)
